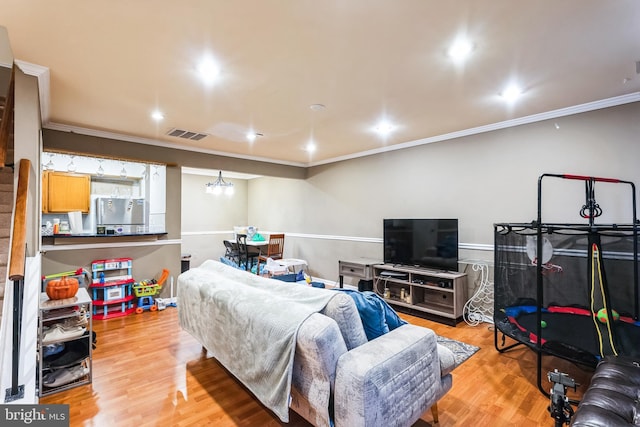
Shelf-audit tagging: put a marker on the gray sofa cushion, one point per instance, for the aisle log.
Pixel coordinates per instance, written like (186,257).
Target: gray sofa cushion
(343,310)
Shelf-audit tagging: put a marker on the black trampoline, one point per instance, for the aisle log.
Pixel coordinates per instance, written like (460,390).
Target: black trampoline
(570,332)
(580,303)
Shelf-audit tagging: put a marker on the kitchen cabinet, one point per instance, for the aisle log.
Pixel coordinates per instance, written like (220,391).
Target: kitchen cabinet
(64,192)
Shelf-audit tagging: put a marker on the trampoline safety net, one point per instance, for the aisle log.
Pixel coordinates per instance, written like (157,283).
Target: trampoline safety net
(583,302)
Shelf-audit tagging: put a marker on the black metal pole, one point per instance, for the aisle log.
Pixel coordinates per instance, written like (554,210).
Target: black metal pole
(539,285)
(17,323)
(635,253)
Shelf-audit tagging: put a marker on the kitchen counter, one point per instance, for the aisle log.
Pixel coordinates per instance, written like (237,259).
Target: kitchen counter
(83,235)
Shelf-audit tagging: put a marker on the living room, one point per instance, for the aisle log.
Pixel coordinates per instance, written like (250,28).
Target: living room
(331,197)
(335,210)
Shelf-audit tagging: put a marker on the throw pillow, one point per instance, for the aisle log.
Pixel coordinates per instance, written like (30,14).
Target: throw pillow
(377,316)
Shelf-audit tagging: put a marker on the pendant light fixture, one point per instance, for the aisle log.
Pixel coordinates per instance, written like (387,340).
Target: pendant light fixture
(219,185)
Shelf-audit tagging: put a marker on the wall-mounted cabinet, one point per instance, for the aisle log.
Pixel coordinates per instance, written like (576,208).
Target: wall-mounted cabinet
(64,192)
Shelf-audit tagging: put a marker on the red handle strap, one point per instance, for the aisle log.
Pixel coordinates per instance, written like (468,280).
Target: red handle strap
(587,178)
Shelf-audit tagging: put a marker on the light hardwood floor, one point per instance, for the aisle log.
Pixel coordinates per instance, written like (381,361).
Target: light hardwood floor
(148,372)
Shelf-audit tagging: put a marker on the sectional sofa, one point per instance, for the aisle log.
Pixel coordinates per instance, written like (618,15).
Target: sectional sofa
(322,366)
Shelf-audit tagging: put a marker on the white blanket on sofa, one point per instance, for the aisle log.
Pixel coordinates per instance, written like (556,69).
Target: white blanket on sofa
(249,324)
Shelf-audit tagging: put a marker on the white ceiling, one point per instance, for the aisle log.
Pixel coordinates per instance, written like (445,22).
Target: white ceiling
(111,63)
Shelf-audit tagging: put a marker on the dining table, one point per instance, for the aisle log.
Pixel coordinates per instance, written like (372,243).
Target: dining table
(257,246)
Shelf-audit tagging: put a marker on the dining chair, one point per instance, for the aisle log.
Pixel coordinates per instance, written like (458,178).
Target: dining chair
(275,247)
(231,251)
(246,255)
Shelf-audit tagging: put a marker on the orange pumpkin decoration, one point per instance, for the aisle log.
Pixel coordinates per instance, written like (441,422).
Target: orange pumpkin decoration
(65,287)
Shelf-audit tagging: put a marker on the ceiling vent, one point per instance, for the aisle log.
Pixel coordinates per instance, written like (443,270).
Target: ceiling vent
(186,134)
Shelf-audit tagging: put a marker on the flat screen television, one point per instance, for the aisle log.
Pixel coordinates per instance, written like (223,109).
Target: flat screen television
(429,243)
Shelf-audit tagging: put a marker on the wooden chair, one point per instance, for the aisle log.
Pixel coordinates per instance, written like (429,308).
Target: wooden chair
(275,247)
(246,255)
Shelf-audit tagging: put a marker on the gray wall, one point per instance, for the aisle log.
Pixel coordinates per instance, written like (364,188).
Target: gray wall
(83,144)
(480,179)
(207,219)
(27,145)
(6,62)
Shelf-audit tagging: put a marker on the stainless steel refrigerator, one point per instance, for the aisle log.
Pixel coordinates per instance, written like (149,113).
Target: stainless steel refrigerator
(121,211)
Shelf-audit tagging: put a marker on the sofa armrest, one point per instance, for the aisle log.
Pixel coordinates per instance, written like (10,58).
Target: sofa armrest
(613,397)
(319,344)
(391,380)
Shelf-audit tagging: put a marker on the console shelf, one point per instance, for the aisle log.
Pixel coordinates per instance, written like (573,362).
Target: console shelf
(436,294)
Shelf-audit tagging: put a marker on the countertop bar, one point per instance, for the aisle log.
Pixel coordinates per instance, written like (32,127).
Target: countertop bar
(93,239)
(85,235)
(65,242)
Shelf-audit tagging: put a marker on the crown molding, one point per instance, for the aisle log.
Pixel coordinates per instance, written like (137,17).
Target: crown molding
(562,112)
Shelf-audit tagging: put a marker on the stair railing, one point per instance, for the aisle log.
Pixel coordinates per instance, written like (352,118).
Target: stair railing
(17,259)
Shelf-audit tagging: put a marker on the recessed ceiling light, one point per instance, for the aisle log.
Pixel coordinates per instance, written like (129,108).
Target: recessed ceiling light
(157,115)
(208,71)
(511,93)
(384,128)
(310,147)
(460,50)
(251,136)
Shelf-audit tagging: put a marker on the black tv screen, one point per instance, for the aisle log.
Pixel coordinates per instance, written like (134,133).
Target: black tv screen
(430,243)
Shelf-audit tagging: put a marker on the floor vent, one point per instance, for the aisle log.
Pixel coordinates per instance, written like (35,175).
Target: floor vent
(186,134)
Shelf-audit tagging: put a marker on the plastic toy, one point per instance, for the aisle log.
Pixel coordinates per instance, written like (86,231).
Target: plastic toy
(167,302)
(146,290)
(603,317)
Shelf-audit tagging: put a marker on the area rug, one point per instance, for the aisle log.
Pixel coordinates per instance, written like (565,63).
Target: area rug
(461,351)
